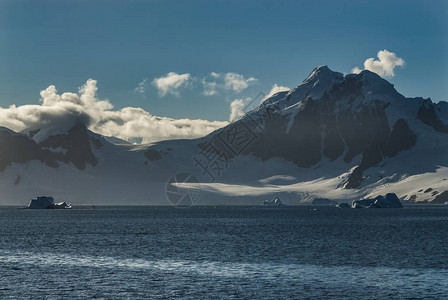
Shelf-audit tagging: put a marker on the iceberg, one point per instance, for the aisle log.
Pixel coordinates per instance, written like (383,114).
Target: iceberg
(45,202)
(389,201)
(363,203)
(274,202)
(343,205)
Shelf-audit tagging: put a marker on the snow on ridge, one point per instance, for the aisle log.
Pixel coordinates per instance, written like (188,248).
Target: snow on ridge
(46,132)
(320,80)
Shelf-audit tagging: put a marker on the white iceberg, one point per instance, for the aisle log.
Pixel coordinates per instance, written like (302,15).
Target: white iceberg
(45,202)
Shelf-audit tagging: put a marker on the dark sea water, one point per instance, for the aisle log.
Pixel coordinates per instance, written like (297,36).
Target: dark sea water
(224,252)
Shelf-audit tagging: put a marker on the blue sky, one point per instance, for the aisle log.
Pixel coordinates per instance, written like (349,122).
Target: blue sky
(122,43)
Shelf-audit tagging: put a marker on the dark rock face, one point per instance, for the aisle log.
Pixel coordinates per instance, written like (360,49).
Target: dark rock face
(21,149)
(303,147)
(269,142)
(333,144)
(153,155)
(306,144)
(339,123)
(363,128)
(441,199)
(349,88)
(77,144)
(427,114)
(317,131)
(300,146)
(399,138)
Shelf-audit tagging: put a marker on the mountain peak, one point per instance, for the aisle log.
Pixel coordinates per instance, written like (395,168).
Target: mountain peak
(375,84)
(370,75)
(320,80)
(323,73)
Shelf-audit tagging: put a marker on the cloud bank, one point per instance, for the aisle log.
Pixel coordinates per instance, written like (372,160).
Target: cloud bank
(62,111)
(384,66)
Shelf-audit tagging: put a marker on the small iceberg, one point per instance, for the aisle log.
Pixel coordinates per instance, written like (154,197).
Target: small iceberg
(389,201)
(343,205)
(44,202)
(273,202)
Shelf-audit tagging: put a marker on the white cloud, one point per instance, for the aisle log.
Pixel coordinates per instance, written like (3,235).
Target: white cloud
(212,84)
(356,70)
(226,82)
(130,123)
(210,87)
(384,66)
(274,90)
(215,75)
(141,87)
(237,82)
(171,83)
(237,108)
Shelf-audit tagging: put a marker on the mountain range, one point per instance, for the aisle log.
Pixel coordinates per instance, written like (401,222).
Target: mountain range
(333,137)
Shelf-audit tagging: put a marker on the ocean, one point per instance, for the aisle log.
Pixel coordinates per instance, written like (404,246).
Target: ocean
(228,252)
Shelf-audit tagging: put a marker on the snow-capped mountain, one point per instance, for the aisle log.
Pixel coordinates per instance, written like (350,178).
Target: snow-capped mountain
(334,136)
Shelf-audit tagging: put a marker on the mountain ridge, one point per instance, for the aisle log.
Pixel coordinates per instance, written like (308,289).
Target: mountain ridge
(334,136)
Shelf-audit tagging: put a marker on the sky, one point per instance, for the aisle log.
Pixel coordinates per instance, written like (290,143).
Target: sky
(196,63)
